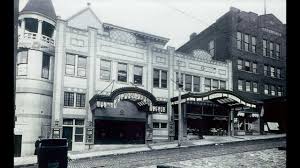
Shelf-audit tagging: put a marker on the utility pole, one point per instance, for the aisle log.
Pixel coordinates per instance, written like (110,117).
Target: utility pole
(180,129)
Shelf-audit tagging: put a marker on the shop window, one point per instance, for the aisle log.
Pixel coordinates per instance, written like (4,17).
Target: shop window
(207,84)
(155,125)
(196,84)
(138,75)
(22,61)
(253,44)
(188,82)
(239,40)
(81,67)
(222,84)
(105,69)
(68,99)
(122,72)
(70,64)
(80,100)
(45,66)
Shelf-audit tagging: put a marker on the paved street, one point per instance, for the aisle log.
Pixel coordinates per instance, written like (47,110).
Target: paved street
(223,155)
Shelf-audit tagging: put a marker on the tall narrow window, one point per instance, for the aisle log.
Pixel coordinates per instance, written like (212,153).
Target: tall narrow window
(240,85)
(272,69)
(254,67)
(188,82)
(80,100)
(78,134)
(81,67)
(279,91)
(239,40)
(196,84)
(240,64)
(253,44)
(273,90)
(177,80)
(248,87)
(265,70)
(70,64)
(138,75)
(215,84)
(105,69)
(247,66)
(164,77)
(278,73)
(45,66)
(211,47)
(155,78)
(266,89)
(122,72)
(22,62)
(254,87)
(271,50)
(246,42)
(264,47)
(207,84)
(68,99)
(277,51)
(31,25)
(222,84)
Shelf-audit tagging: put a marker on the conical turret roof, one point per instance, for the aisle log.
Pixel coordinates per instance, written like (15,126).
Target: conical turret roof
(44,7)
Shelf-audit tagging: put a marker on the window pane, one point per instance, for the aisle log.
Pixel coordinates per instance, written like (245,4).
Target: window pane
(31,25)
(215,84)
(239,40)
(188,82)
(254,87)
(45,66)
(248,86)
(138,75)
(247,66)
(207,84)
(70,59)
(68,99)
(70,69)
(163,125)
(22,57)
(196,84)
(240,64)
(155,125)
(273,90)
(278,73)
(78,130)
(266,90)
(22,69)
(122,72)
(81,62)
(254,68)
(47,29)
(79,122)
(105,68)
(67,121)
(222,84)
(155,78)
(78,138)
(272,69)
(80,100)
(240,85)
(164,79)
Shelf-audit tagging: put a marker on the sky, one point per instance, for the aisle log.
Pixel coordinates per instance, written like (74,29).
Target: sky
(173,19)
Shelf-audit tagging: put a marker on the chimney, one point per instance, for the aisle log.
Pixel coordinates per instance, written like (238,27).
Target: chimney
(193,35)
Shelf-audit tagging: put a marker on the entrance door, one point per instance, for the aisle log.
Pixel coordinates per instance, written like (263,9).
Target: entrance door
(17,145)
(68,133)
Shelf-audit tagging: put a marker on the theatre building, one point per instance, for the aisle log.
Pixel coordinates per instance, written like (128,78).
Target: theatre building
(97,83)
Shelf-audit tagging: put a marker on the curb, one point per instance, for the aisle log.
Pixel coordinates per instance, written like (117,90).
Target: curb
(212,144)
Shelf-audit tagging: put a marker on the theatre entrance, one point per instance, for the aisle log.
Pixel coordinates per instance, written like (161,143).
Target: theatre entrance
(119,132)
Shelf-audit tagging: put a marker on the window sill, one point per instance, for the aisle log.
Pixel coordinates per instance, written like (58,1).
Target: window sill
(160,88)
(278,59)
(76,76)
(255,53)
(248,72)
(72,107)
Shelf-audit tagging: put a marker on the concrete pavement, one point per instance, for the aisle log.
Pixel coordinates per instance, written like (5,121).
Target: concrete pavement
(105,150)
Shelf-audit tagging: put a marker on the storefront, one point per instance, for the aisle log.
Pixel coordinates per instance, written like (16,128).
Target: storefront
(125,116)
(217,112)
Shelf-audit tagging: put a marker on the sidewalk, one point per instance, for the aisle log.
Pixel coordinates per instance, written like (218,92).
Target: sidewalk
(105,150)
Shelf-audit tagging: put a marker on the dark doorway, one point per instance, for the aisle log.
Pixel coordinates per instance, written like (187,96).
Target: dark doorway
(176,130)
(17,145)
(68,133)
(119,132)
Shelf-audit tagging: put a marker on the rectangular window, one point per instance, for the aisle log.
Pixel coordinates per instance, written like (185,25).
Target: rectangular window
(67,121)
(246,42)
(240,85)
(239,40)
(177,80)
(248,87)
(80,100)
(188,82)
(68,99)
(266,89)
(105,69)
(70,64)
(247,66)
(222,84)
(273,90)
(164,77)
(78,134)
(272,69)
(265,70)
(196,84)
(45,66)
(156,78)
(254,67)
(240,64)
(22,61)
(271,49)
(81,66)
(163,125)
(254,87)
(253,44)
(138,75)
(277,51)
(155,125)
(279,91)
(79,122)
(211,47)
(215,84)
(278,73)
(264,47)
(122,72)
(207,84)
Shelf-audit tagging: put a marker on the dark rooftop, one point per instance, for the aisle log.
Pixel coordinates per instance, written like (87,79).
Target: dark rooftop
(44,7)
